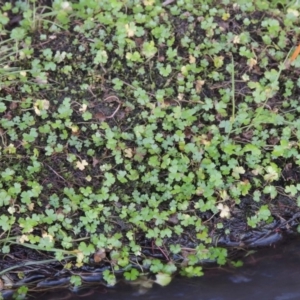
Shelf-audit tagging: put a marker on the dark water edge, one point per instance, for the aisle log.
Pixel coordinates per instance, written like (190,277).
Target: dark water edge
(271,274)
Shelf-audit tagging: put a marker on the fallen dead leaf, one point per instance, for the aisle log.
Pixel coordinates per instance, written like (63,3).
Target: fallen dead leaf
(13,105)
(100,116)
(99,255)
(95,161)
(199,85)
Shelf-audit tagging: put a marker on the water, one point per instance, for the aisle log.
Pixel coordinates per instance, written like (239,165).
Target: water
(269,274)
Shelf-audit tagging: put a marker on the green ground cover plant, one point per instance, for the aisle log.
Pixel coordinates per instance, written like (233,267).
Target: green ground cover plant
(133,133)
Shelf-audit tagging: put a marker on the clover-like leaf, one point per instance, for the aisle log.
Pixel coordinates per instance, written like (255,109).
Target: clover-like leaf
(101,57)
(132,274)
(272,173)
(149,49)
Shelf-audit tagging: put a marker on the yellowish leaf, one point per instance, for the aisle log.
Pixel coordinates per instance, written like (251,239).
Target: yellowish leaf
(225,212)
(237,171)
(199,85)
(11,149)
(66,6)
(224,195)
(74,128)
(192,59)
(180,96)
(47,235)
(225,16)
(11,210)
(83,108)
(24,238)
(245,77)
(293,11)
(272,174)
(236,39)
(251,62)
(184,71)
(41,105)
(218,61)
(130,29)
(30,206)
(128,152)
(80,257)
(163,279)
(81,164)
(149,2)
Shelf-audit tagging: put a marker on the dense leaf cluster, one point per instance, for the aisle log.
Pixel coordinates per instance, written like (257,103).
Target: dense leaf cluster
(136,127)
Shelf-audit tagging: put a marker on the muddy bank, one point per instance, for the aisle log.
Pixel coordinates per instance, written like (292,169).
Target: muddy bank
(239,242)
(270,273)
